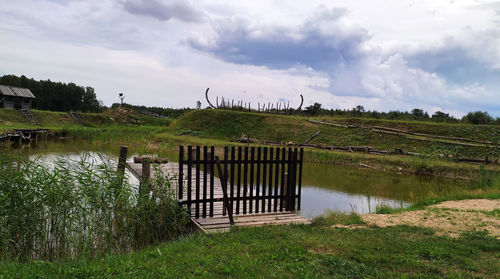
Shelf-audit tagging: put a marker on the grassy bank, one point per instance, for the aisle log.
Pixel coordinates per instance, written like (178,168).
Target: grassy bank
(317,251)
(10,119)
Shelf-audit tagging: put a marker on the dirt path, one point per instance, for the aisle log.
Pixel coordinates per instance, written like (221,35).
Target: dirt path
(448,218)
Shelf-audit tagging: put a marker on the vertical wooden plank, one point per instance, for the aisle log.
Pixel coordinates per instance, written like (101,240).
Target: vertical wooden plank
(189,176)
(294,180)
(301,160)
(257,179)
(276,180)
(264,172)
(212,167)
(223,182)
(224,205)
(205,172)
(250,187)
(282,184)
(270,186)
(245,180)
(181,171)
(238,189)
(289,182)
(231,181)
(197,194)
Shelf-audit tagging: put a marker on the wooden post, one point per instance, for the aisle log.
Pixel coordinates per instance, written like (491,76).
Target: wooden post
(181,170)
(145,176)
(122,161)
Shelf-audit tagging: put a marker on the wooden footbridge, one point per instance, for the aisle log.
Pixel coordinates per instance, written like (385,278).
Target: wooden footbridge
(247,187)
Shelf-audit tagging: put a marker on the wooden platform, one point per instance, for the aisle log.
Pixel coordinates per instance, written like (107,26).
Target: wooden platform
(219,222)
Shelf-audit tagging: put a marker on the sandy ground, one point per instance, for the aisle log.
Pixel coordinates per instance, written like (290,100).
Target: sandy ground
(448,218)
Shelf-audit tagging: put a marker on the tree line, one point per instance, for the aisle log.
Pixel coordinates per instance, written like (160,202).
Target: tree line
(57,96)
(477,117)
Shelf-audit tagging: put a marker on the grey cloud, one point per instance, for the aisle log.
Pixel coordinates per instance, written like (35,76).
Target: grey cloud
(455,64)
(164,11)
(322,43)
(473,59)
(453,75)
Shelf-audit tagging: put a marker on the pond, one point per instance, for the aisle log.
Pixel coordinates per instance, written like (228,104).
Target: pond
(325,187)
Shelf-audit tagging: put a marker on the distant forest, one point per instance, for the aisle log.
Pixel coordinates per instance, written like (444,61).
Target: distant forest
(57,96)
(477,117)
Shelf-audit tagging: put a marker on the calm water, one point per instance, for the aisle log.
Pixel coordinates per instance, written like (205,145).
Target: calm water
(325,187)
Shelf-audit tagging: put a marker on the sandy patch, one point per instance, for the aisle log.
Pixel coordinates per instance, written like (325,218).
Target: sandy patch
(478,204)
(450,218)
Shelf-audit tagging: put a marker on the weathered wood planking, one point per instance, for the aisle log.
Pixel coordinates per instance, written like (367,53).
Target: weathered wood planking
(219,222)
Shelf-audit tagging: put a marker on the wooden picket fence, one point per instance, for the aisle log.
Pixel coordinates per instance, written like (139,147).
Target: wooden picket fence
(246,180)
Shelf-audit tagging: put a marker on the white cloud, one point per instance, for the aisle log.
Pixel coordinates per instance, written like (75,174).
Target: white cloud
(395,54)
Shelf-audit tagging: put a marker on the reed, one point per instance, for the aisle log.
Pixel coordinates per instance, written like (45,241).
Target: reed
(70,208)
(113,134)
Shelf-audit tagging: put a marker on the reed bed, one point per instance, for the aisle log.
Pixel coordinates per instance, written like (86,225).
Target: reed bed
(65,208)
(113,134)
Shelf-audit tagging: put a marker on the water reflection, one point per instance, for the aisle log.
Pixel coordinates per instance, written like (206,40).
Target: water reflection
(316,200)
(324,186)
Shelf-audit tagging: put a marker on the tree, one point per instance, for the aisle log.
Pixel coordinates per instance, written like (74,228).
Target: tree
(359,109)
(418,112)
(313,109)
(477,117)
(440,116)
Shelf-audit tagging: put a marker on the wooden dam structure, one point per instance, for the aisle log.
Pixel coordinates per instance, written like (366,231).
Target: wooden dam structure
(247,186)
(24,136)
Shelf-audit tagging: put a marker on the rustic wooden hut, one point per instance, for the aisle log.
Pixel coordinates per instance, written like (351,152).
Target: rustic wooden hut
(15,97)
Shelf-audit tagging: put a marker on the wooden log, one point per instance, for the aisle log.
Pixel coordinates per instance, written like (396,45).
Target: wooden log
(152,159)
(470,160)
(313,136)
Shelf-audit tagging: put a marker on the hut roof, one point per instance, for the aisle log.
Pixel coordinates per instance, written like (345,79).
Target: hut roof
(16,91)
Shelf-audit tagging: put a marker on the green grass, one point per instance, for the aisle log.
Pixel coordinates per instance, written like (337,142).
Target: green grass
(477,132)
(297,251)
(333,217)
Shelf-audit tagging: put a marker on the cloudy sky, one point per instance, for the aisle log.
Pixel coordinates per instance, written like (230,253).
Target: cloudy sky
(384,55)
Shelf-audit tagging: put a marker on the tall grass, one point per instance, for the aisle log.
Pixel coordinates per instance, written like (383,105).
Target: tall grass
(113,134)
(71,208)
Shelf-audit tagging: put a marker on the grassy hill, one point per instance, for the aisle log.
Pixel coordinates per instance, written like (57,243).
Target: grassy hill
(10,119)
(229,125)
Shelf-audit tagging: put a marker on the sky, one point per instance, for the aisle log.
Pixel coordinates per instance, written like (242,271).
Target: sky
(437,55)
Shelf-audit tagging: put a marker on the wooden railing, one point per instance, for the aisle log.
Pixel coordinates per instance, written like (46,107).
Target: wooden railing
(252,180)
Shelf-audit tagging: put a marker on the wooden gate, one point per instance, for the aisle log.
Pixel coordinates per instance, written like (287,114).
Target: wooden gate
(246,180)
